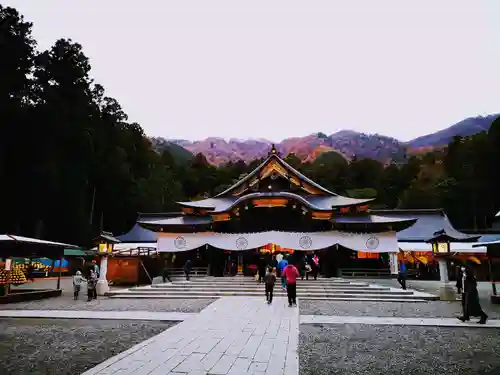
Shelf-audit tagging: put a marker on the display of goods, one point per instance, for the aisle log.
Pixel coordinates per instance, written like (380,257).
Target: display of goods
(16,276)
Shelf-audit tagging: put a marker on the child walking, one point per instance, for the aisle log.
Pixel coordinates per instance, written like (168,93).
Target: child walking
(270,280)
(78,279)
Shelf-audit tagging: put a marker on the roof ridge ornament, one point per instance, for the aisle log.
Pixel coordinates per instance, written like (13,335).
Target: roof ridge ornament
(274,151)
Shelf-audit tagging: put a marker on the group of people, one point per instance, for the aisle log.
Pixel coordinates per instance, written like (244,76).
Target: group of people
(288,272)
(91,280)
(188,265)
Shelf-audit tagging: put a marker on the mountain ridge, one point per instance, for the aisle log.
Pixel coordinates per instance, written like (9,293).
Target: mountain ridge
(349,143)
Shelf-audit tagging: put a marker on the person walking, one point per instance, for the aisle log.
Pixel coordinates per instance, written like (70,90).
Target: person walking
(291,273)
(94,268)
(281,266)
(274,262)
(308,270)
(91,286)
(165,274)
(460,280)
(262,269)
(187,268)
(78,279)
(315,266)
(470,298)
(270,280)
(402,275)
(302,267)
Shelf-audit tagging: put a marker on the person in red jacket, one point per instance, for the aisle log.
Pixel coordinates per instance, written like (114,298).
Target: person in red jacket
(291,273)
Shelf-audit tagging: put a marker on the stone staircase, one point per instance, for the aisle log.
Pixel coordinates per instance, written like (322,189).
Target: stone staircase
(321,289)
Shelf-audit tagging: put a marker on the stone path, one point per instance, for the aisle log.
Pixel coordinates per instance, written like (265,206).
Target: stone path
(111,315)
(234,335)
(398,321)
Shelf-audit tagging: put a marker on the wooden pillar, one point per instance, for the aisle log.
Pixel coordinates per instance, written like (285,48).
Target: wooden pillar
(52,267)
(492,277)
(60,271)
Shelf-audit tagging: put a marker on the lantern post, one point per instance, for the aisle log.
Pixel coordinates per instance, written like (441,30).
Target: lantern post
(105,246)
(441,252)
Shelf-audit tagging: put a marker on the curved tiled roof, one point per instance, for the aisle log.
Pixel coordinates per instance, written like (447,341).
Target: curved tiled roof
(315,202)
(428,222)
(285,165)
(398,223)
(180,220)
(215,204)
(367,219)
(138,234)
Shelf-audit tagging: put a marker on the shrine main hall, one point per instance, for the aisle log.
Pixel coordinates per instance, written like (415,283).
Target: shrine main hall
(275,208)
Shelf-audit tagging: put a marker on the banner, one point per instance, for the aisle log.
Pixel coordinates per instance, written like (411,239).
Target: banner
(385,242)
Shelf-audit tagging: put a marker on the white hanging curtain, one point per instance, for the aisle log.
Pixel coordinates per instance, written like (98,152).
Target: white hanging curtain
(370,242)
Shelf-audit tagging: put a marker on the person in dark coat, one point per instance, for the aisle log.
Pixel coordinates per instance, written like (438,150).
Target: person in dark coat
(187,268)
(262,268)
(402,275)
(164,272)
(459,284)
(470,298)
(302,266)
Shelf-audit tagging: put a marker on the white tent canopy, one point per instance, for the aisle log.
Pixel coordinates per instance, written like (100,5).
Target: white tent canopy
(369,242)
(16,238)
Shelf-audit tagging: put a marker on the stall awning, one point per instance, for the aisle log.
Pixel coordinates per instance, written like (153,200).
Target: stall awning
(7,238)
(458,247)
(123,246)
(78,252)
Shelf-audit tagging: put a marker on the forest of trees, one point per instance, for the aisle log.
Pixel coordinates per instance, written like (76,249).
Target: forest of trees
(72,164)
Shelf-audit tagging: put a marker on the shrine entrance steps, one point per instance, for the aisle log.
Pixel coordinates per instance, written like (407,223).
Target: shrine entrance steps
(321,289)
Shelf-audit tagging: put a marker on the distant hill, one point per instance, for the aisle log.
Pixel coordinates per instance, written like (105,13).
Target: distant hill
(347,143)
(179,153)
(469,126)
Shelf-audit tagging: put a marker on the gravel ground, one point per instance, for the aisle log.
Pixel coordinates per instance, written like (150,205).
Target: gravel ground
(366,349)
(112,304)
(62,346)
(430,286)
(434,309)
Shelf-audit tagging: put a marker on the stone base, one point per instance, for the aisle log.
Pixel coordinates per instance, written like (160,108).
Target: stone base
(447,293)
(102,287)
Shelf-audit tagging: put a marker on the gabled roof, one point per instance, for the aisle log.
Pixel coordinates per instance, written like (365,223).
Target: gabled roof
(274,156)
(180,220)
(138,234)
(314,202)
(428,222)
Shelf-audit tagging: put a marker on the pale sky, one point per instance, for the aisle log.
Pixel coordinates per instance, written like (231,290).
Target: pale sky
(275,69)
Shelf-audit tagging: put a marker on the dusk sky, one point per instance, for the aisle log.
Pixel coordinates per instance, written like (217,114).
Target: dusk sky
(276,69)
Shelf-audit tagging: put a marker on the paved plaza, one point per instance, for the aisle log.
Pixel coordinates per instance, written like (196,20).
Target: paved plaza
(244,335)
(232,336)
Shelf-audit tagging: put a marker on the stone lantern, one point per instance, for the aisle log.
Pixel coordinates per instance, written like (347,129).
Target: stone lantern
(105,245)
(441,251)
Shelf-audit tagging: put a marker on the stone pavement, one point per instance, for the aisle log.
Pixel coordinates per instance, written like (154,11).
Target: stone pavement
(398,321)
(86,314)
(234,335)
